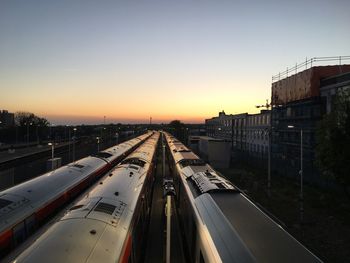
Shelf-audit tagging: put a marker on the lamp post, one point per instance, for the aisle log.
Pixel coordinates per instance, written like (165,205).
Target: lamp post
(219,133)
(52,134)
(28,133)
(74,130)
(301,174)
(37,133)
(267,106)
(52,152)
(98,143)
(116,138)
(269,162)
(68,144)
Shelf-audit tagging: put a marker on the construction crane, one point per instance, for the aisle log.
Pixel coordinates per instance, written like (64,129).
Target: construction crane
(267,105)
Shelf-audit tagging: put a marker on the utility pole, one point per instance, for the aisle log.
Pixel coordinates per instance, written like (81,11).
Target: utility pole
(301,178)
(75,129)
(52,153)
(98,144)
(269,131)
(69,144)
(163,146)
(301,171)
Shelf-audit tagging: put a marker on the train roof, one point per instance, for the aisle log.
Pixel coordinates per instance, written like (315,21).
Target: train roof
(117,150)
(243,233)
(95,229)
(86,232)
(33,193)
(143,153)
(240,231)
(126,144)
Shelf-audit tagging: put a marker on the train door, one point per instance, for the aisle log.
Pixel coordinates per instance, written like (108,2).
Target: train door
(19,233)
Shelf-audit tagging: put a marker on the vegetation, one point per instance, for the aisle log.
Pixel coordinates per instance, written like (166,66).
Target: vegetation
(333,141)
(26,118)
(176,124)
(178,129)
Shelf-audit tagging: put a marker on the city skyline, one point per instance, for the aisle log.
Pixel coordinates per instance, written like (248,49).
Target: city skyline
(74,63)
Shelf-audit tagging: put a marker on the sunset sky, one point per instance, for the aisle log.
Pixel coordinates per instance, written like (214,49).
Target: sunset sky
(74,62)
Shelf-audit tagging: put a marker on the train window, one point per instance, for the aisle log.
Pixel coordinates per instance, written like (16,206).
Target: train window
(4,203)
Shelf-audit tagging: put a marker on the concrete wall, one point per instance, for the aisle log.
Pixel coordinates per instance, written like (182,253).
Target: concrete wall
(216,152)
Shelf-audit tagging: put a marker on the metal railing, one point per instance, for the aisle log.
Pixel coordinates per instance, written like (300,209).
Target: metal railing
(309,63)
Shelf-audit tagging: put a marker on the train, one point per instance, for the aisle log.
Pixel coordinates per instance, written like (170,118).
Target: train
(218,222)
(109,223)
(28,205)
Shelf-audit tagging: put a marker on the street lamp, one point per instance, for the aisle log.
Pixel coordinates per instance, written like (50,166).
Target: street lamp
(37,133)
(268,131)
(267,106)
(98,143)
(300,173)
(52,153)
(28,133)
(116,138)
(74,130)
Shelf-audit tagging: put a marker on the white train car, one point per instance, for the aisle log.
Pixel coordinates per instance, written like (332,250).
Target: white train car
(26,206)
(219,223)
(109,223)
(116,153)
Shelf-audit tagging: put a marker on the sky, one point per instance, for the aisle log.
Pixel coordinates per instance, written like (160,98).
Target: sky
(75,61)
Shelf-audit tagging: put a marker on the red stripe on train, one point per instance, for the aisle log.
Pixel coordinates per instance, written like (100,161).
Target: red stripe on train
(5,240)
(127,251)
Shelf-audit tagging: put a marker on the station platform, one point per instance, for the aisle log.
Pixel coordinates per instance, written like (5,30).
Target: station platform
(19,153)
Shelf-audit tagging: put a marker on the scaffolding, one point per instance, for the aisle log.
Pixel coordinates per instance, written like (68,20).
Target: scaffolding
(309,63)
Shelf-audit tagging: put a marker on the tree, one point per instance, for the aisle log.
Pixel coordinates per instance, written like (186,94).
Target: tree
(24,118)
(176,124)
(333,141)
(177,128)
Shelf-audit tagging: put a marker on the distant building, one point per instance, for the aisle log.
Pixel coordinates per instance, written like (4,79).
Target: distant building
(300,102)
(220,127)
(7,119)
(257,129)
(331,85)
(248,133)
(215,151)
